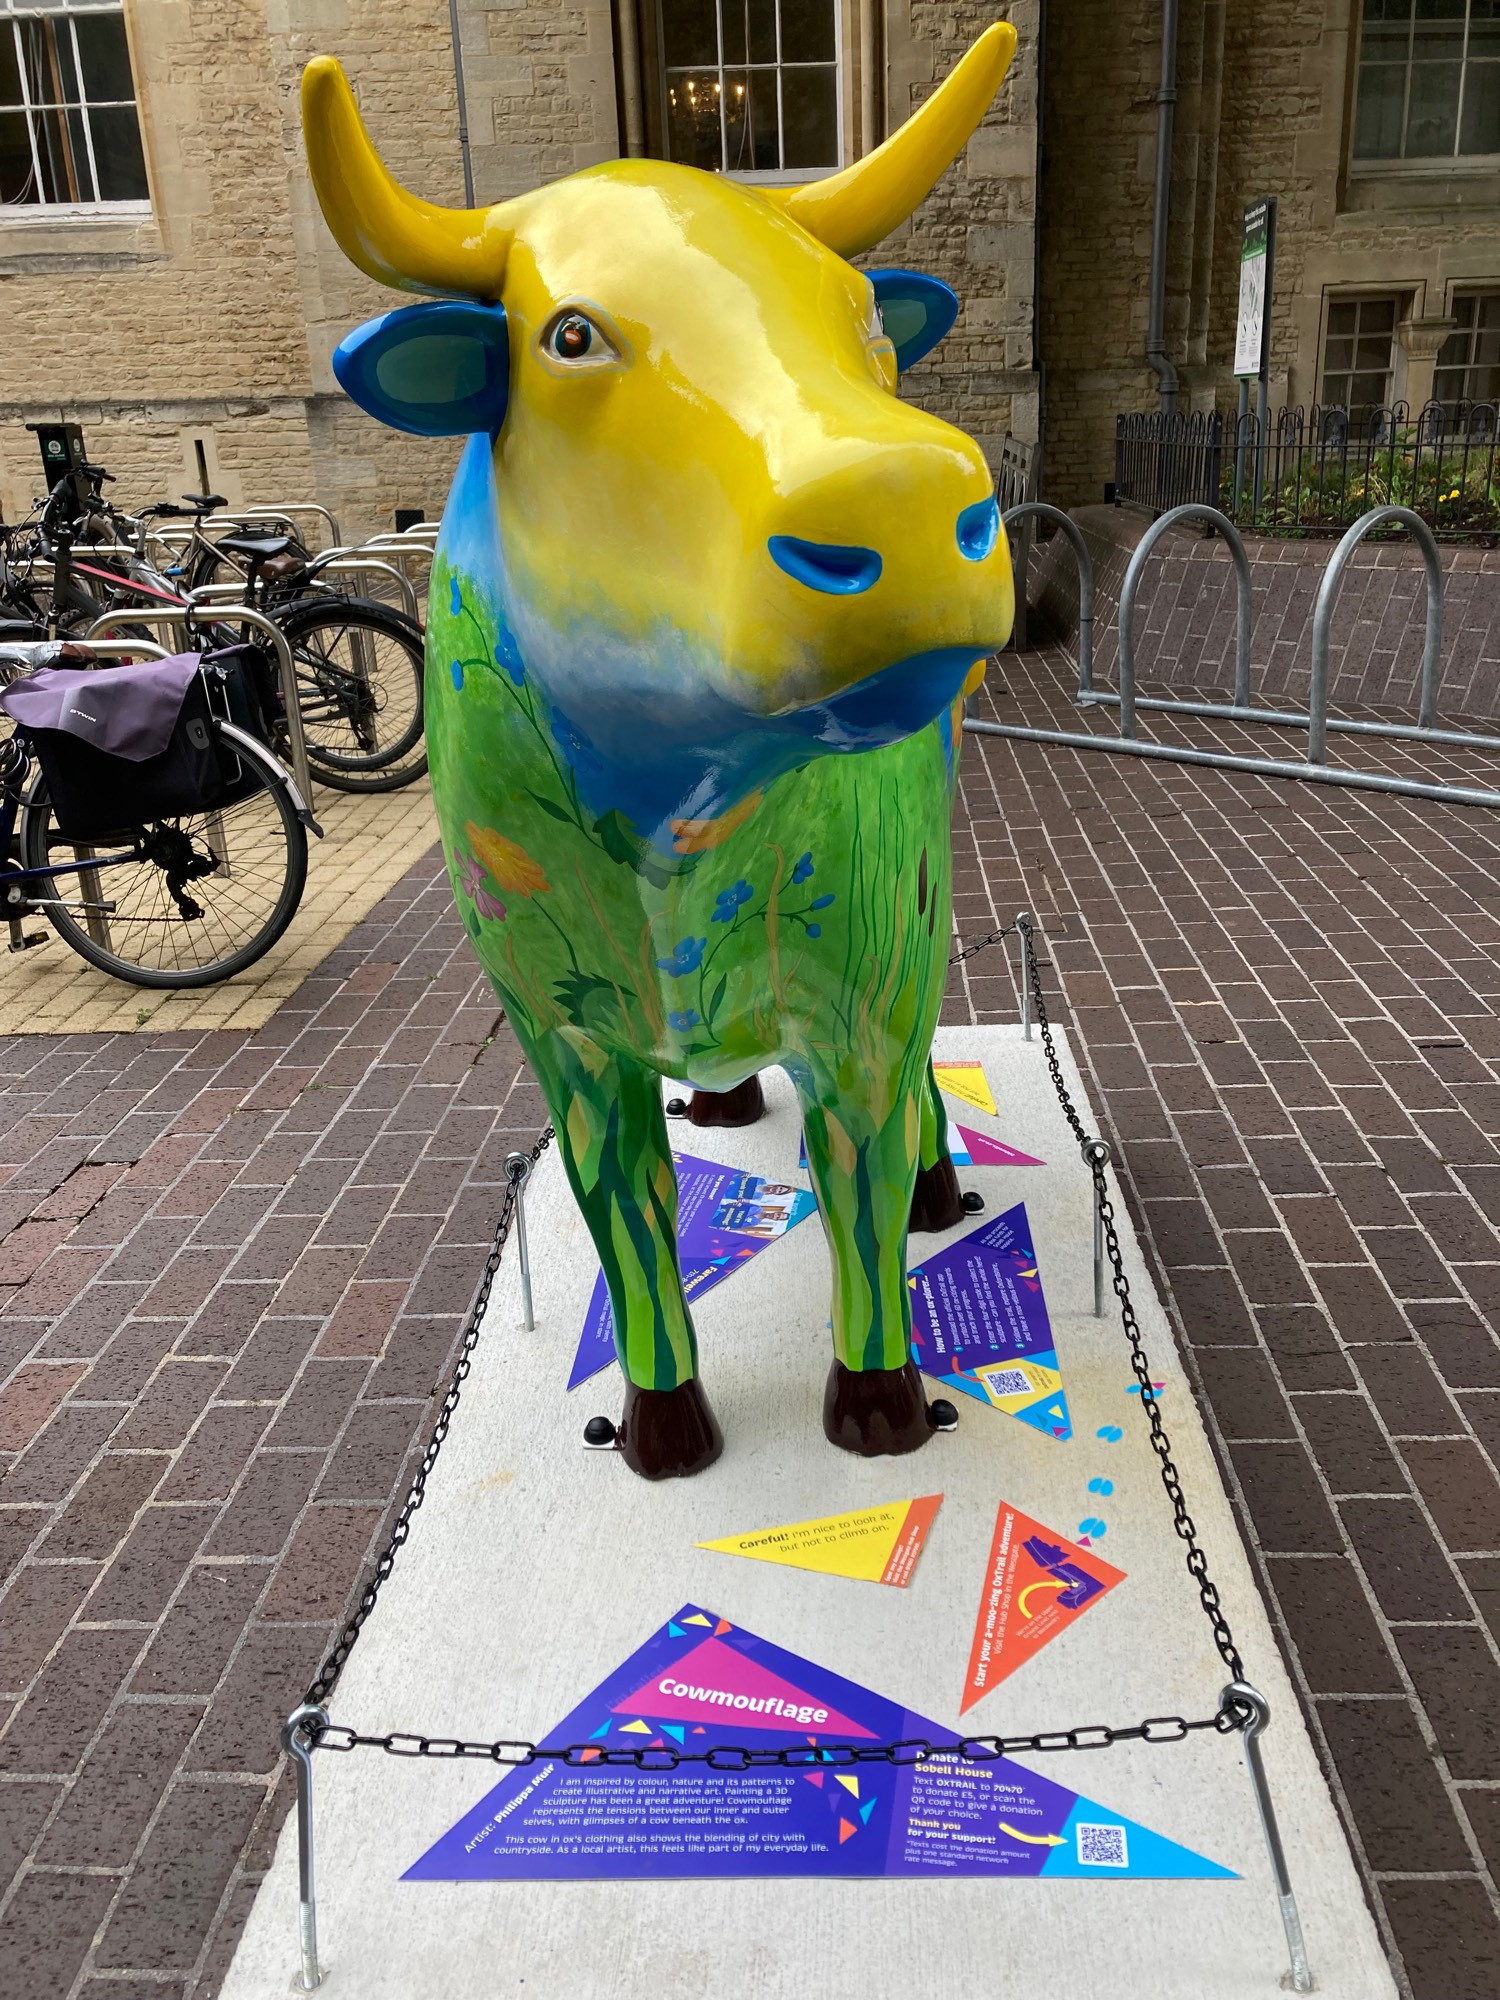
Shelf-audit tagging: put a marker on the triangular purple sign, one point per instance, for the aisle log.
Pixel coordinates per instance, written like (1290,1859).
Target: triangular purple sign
(698,1683)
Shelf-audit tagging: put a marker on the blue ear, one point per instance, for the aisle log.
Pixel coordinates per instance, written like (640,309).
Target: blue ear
(918,311)
(438,370)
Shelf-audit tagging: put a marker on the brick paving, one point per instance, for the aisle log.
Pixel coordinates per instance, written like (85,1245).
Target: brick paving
(235,1270)
(235,1267)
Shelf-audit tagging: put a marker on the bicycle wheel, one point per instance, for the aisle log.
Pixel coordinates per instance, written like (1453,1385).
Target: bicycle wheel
(359,686)
(181,902)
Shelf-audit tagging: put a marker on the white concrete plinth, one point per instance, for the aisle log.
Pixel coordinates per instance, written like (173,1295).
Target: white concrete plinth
(535,1567)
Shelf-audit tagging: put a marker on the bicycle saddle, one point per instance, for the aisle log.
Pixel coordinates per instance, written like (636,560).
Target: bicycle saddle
(255,548)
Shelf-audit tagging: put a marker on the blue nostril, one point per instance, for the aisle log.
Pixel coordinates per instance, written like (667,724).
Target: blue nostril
(842,572)
(979,528)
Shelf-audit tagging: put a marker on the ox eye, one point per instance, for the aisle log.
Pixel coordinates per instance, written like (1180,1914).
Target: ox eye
(574,341)
(572,337)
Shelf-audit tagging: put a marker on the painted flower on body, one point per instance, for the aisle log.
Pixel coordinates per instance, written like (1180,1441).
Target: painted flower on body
(508,655)
(683,1021)
(700,836)
(687,956)
(803,869)
(510,867)
(455,597)
(471,881)
(728,901)
(822,902)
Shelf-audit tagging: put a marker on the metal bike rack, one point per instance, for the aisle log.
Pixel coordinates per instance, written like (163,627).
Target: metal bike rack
(1315,720)
(1423,730)
(359,562)
(181,618)
(1195,510)
(288,514)
(1039,510)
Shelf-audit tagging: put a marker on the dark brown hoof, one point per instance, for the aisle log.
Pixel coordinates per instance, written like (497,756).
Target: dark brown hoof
(741,1106)
(937,1200)
(668,1433)
(877,1412)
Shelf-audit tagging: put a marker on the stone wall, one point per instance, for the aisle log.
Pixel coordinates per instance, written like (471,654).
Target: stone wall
(1185,616)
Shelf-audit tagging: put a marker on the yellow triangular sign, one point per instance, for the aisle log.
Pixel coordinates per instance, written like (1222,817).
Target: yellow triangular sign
(874,1545)
(965,1080)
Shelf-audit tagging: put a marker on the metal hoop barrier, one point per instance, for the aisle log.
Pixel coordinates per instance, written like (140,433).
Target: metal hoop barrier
(183,617)
(1194,511)
(1039,510)
(1289,718)
(1415,526)
(1315,720)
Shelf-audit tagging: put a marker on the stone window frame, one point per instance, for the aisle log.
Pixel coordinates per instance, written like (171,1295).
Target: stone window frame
(1387,166)
(648,34)
(1399,298)
(1485,299)
(129,210)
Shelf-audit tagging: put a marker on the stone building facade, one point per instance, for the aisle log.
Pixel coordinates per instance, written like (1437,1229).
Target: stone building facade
(190,327)
(188,321)
(1388,234)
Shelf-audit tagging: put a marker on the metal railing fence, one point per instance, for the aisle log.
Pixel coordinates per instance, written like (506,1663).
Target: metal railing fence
(1318,470)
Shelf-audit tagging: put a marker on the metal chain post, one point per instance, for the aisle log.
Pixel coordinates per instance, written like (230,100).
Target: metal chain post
(1022,928)
(299,1735)
(518,1172)
(1097,1153)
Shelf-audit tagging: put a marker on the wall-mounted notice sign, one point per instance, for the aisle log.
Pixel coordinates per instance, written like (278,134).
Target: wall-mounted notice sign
(1255,288)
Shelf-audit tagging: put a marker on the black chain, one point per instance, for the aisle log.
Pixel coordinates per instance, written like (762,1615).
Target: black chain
(1096,1157)
(979,944)
(1232,1713)
(792,1756)
(333,1666)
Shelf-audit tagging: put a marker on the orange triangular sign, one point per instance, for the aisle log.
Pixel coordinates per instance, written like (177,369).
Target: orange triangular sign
(1036,1584)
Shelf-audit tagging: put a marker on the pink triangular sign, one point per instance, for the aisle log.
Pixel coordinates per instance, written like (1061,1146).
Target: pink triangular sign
(715,1683)
(994,1152)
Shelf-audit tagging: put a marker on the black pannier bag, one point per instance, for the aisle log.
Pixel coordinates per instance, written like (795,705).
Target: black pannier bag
(120,746)
(242,689)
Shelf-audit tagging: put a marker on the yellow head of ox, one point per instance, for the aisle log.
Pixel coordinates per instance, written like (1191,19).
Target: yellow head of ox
(717,521)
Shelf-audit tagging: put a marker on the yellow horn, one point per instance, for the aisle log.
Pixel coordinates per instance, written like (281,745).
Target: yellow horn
(852,210)
(379,226)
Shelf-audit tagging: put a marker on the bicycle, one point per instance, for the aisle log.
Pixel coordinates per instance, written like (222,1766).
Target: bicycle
(358,663)
(178,898)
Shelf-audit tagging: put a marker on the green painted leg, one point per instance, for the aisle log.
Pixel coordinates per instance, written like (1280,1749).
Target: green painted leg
(864,1167)
(613,1138)
(937,1201)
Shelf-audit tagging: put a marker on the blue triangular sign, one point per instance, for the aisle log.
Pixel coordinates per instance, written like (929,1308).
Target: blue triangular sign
(944,1818)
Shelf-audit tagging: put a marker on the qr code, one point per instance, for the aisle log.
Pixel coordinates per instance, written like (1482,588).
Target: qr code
(1007,1381)
(1102,1846)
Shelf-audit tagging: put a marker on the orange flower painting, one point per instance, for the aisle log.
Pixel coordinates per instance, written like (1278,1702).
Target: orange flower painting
(508,866)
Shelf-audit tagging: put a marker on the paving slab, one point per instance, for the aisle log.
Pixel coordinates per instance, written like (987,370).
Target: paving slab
(535,1568)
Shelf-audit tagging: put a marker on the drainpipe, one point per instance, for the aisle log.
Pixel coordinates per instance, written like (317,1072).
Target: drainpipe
(869,56)
(1166,98)
(463,103)
(630,81)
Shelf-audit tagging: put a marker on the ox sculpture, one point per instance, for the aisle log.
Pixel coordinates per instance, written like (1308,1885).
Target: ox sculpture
(706,600)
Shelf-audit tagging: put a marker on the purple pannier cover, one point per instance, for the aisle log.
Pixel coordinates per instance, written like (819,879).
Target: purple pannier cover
(127,711)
